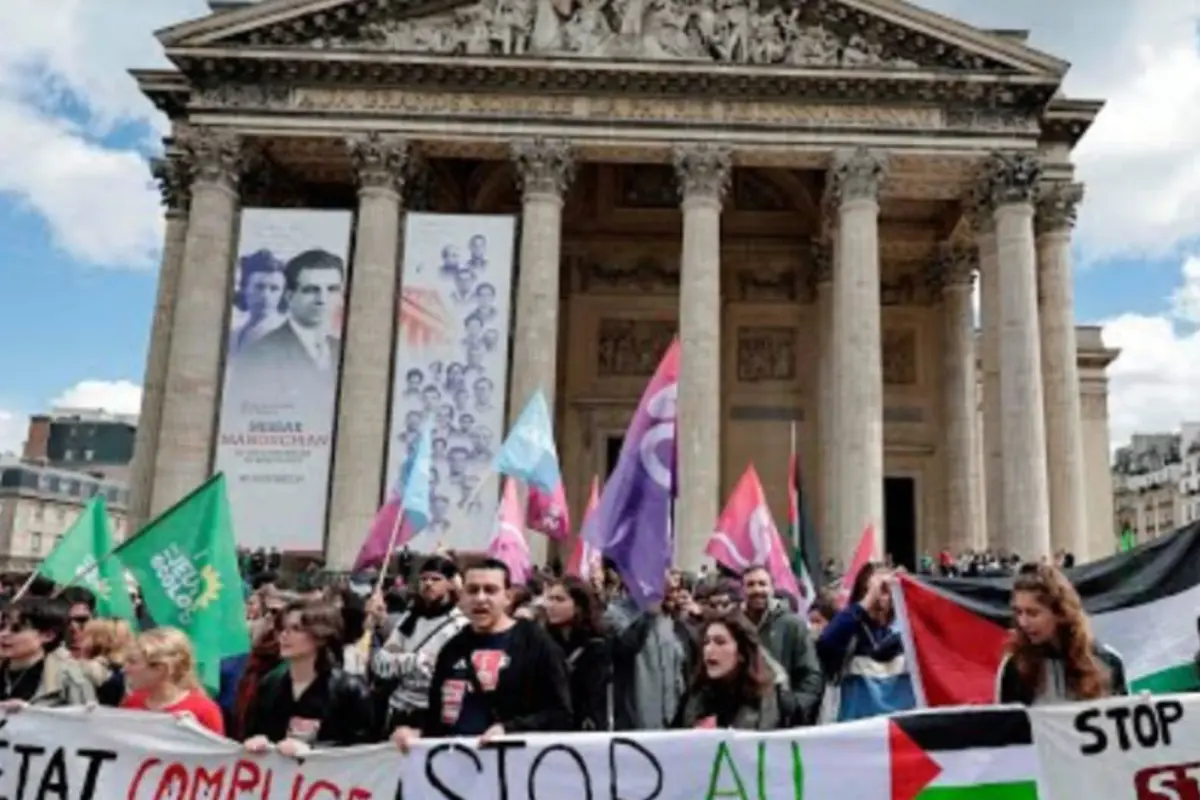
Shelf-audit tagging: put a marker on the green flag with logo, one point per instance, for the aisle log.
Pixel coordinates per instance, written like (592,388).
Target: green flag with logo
(186,565)
(75,558)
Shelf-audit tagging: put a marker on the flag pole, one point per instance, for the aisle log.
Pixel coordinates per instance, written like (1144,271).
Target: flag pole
(387,559)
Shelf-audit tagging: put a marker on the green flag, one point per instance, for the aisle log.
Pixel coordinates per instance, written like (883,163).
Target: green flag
(74,561)
(186,564)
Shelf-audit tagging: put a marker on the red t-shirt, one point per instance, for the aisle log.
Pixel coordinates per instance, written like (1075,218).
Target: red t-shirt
(198,704)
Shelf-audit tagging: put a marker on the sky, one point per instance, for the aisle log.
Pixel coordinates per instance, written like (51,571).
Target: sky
(81,225)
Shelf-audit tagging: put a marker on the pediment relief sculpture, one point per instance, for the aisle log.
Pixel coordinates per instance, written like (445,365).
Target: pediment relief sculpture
(723,31)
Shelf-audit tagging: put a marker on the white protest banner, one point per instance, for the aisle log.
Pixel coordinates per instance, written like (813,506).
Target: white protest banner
(1140,747)
(104,754)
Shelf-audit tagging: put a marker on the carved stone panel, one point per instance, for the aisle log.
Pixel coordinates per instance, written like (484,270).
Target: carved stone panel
(632,348)
(766,354)
(768,283)
(899,357)
(636,275)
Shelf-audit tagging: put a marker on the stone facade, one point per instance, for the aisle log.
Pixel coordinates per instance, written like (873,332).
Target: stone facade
(816,256)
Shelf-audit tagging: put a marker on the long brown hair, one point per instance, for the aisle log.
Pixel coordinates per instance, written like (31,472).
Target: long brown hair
(753,677)
(1086,677)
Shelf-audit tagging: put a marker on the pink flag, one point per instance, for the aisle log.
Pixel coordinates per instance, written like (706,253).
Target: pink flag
(746,535)
(374,552)
(585,558)
(508,540)
(862,556)
(546,512)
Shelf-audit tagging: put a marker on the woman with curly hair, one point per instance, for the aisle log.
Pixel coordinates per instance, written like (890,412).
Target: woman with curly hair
(737,685)
(1052,656)
(574,621)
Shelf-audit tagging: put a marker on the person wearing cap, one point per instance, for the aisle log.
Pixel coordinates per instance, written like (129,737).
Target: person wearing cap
(408,655)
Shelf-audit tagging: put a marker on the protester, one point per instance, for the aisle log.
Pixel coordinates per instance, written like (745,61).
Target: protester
(1052,656)
(653,658)
(862,654)
(81,608)
(35,668)
(738,685)
(574,618)
(499,675)
(104,646)
(262,660)
(784,634)
(312,702)
(407,657)
(161,673)
(821,613)
(357,633)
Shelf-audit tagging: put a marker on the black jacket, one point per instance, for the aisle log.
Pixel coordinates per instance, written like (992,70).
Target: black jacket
(532,693)
(589,674)
(1011,689)
(348,714)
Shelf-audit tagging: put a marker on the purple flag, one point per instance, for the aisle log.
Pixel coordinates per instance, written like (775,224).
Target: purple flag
(632,525)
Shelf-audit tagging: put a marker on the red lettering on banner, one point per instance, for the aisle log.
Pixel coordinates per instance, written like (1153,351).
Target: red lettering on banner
(155,779)
(1174,782)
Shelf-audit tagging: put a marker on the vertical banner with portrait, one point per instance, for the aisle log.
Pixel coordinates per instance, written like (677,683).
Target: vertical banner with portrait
(283,353)
(452,364)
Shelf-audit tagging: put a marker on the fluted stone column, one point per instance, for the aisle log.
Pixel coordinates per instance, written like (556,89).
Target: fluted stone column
(1013,180)
(703,172)
(989,360)
(1056,210)
(855,180)
(544,169)
(193,382)
(953,280)
(173,181)
(360,449)
(823,266)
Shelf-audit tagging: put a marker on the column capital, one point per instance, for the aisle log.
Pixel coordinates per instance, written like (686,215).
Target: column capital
(174,183)
(1011,177)
(544,166)
(380,160)
(856,174)
(954,267)
(702,171)
(1058,206)
(213,155)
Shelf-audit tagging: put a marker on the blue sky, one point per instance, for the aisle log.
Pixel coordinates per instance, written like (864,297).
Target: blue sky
(80,227)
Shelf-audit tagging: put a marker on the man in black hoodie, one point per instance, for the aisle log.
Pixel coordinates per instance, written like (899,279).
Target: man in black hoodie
(498,675)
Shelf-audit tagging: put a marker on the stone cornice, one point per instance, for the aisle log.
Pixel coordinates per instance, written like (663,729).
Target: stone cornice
(210,67)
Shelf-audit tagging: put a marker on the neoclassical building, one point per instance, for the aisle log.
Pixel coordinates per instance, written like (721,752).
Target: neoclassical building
(806,191)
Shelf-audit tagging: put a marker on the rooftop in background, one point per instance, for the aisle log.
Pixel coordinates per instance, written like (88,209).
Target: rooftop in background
(94,441)
(68,414)
(1150,452)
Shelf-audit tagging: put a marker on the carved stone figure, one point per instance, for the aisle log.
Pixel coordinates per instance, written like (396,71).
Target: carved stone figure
(899,357)
(766,354)
(725,31)
(632,348)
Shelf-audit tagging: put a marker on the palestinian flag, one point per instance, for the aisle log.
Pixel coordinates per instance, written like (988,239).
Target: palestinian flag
(804,543)
(960,754)
(1142,603)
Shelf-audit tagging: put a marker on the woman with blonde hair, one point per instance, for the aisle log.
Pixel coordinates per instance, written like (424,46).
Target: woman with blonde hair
(104,645)
(1052,656)
(161,673)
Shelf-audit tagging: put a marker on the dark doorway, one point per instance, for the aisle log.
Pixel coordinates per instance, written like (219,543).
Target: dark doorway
(900,520)
(612,452)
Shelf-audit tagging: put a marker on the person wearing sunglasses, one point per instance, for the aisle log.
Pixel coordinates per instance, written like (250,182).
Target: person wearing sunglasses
(81,608)
(34,667)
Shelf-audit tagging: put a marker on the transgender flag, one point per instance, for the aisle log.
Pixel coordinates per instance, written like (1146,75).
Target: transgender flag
(530,455)
(406,511)
(632,525)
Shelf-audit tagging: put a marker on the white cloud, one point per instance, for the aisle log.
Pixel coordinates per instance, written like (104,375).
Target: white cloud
(1155,383)
(12,432)
(99,201)
(117,397)
(1141,159)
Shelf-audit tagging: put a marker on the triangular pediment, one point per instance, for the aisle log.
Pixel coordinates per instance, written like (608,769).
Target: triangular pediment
(835,34)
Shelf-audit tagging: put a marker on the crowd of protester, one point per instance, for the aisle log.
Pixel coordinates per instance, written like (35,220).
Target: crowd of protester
(460,651)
